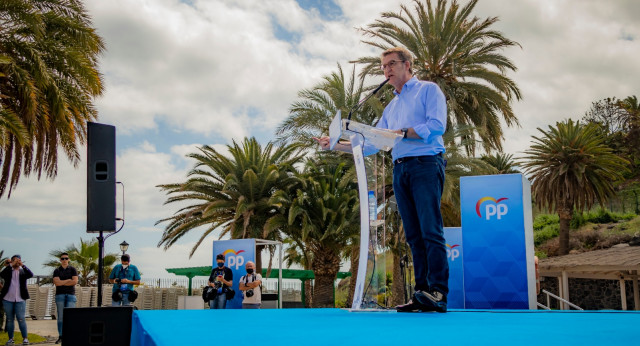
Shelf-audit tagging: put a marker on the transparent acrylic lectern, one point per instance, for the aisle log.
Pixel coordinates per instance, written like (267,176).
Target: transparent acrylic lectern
(382,139)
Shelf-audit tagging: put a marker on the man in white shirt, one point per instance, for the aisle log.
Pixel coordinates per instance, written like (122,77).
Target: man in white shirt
(250,285)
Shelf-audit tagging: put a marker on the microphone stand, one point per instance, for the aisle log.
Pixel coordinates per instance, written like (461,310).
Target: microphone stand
(363,101)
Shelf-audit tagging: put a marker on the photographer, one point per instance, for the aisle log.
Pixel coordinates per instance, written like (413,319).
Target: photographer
(250,284)
(221,279)
(123,277)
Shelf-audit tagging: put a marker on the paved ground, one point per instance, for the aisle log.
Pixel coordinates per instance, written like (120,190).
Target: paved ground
(46,328)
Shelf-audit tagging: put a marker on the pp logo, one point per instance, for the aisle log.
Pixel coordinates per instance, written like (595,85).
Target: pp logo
(234,261)
(492,209)
(452,252)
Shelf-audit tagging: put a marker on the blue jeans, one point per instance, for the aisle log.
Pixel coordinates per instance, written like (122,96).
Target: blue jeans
(15,310)
(220,302)
(124,301)
(418,185)
(64,301)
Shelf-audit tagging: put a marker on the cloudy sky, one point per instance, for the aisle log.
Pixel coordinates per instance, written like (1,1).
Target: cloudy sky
(180,74)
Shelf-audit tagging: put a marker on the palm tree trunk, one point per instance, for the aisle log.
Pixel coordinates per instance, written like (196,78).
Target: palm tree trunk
(325,265)
(308,293)
(259,249)
(564,214)
(355,255)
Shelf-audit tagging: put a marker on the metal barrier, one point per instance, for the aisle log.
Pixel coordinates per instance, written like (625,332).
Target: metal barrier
(549,294)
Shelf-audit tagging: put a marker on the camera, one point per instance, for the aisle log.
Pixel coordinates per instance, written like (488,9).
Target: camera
(117,280)
(218,284)
(249,293)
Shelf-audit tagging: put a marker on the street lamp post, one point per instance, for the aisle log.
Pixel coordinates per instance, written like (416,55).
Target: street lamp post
(124,246)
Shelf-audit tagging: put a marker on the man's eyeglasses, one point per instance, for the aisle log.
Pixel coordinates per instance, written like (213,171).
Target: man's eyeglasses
(64,258)
(390,64)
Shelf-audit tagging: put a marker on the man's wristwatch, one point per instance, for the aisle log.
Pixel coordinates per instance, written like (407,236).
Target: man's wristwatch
(404,132)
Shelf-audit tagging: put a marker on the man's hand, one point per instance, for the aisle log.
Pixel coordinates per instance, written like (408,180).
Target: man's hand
(323,142)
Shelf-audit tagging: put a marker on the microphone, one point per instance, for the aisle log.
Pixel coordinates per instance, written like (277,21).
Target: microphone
(363,101)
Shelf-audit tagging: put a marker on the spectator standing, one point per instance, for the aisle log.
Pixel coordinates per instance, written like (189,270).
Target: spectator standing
(65,278)
(251,285)
(14,295)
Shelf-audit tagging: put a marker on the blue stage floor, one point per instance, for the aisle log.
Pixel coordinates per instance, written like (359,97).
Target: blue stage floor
(340,327)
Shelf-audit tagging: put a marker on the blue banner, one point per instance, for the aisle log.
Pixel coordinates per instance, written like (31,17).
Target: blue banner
(237,252)
(498,236)
(453,237)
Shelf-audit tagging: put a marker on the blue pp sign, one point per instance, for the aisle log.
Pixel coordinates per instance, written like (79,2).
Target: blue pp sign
(497,232)
(453,238)
(237,252)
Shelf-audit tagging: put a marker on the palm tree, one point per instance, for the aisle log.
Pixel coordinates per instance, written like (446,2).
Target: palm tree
(459,164)
(48,79)
(230,192)
(321,217)
(632,138)
(571,168)
(503,163)
(460,53)
(85,259)
(311,115)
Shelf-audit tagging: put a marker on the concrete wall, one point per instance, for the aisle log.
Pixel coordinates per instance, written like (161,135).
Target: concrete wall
(589,294)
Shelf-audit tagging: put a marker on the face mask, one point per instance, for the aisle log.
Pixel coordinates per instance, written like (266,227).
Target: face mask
(249,271)
(125,266)
(220,265)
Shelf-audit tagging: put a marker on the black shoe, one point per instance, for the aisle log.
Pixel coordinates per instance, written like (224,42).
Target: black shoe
(431,301)
(411,306)
(59,340)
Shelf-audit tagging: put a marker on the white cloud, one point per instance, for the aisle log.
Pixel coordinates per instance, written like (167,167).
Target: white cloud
(63,200)
(183,150)
(202,69)
(153,261)
(49,203)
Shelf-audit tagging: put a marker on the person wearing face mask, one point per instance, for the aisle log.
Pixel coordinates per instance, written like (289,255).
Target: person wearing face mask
(251,285)
(221,279)
(123,276)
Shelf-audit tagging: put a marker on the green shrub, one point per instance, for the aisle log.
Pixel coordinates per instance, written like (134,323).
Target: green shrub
(577,220)
(543,220)
(541,254)
(628,216)
(604,216)
(548,232)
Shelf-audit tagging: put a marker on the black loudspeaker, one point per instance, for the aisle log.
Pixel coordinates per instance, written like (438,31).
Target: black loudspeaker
(101,178)
(97,326)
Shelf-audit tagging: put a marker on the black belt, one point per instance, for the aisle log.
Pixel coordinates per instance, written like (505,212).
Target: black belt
(409,158)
